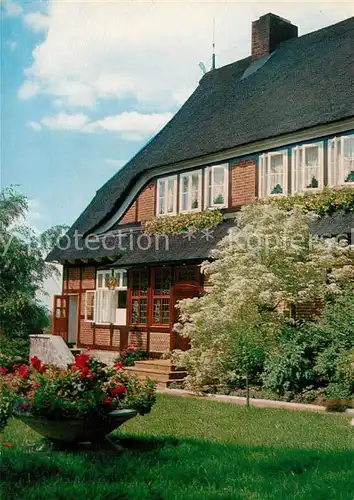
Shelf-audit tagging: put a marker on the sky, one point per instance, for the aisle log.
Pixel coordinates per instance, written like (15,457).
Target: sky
(85,84)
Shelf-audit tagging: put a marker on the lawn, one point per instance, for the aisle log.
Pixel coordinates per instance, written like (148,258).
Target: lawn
(194,449)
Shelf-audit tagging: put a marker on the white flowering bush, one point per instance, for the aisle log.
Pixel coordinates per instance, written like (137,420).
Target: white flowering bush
(266,266)
(5,412)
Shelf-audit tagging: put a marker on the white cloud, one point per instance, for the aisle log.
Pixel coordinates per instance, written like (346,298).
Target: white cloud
(149,51)
(11,9)
(132,125)
(129,125)
(34,126)
(27,90)
(64,121)
(37,21)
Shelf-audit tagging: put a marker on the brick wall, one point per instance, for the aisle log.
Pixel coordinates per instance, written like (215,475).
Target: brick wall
(243,182)
(146,203)
(130,214)
(73,279)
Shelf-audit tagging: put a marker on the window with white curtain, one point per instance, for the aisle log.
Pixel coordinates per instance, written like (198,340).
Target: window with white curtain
(190,191)
(307,167)
(216,186)
(341,160)
(108,303)
(167,196)
(273,173)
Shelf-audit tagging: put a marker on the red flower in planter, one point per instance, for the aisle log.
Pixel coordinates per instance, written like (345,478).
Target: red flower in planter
(3,371)
(116,391)
(23,371)
(81,360)
(118,366)
(108,400)
(37,364)
(86,374)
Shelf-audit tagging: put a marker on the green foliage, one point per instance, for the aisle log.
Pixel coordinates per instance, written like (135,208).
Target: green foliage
(169,225)
(326,201)
(290,366)
(23,271)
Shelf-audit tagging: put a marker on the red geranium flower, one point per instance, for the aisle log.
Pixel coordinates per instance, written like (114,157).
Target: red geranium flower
(118,390)
(7,445)
(24,405)
(37,364)
(108,400)
(118,366)
(23,371)
(86,374)
(81,360)
(3,371)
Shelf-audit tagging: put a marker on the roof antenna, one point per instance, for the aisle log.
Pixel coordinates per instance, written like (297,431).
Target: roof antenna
(213,66)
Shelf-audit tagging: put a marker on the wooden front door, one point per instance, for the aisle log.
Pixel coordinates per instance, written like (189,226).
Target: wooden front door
(180,292)
(60,316)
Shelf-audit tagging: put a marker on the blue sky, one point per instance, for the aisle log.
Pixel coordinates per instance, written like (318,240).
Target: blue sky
(86,84)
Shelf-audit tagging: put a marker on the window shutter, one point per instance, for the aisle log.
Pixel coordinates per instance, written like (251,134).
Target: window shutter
(294,169)
(90,299)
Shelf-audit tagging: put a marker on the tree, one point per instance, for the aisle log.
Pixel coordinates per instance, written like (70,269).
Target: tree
(23,270)
(263,269)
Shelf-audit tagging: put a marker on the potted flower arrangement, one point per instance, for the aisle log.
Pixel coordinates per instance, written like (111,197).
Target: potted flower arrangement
(130,354)
(83,403)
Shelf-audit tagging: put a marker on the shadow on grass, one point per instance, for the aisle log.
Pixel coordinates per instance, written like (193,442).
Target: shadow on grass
(167,469)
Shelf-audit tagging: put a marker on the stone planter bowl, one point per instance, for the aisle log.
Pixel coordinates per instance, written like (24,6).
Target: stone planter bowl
(77,431)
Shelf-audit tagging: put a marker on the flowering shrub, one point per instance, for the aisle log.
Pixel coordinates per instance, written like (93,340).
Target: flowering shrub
(323,202)
(85,390)
(130,354)
(269,265)
(169,225)
(5,411)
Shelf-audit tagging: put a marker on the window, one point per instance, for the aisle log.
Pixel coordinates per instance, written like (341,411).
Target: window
(167,196)
(341,160)
(190,191)
(273,174)
(307,167)
(107,304)
(216,186)
(139,290)
(161,297)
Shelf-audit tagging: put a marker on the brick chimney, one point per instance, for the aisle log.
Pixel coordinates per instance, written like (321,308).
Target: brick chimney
(268,32)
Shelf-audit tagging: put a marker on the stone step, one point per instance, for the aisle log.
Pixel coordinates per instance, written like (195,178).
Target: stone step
(156,365)
(155,375)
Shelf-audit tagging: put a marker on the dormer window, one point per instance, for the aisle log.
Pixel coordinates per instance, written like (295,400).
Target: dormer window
(307,167)
(273,174)
(216,186)
(190,191)
(167,196)
(341,161)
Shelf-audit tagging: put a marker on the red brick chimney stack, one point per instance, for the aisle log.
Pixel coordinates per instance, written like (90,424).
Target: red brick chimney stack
(268,32)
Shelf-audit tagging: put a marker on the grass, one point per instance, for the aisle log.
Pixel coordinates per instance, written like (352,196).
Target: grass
(194,449)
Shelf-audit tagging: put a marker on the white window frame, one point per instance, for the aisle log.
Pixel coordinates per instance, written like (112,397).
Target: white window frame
(104,298)
(212,168)
(262,181)
(190,176)
(336,167)
(165,181)
(296,167)
(87,294)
